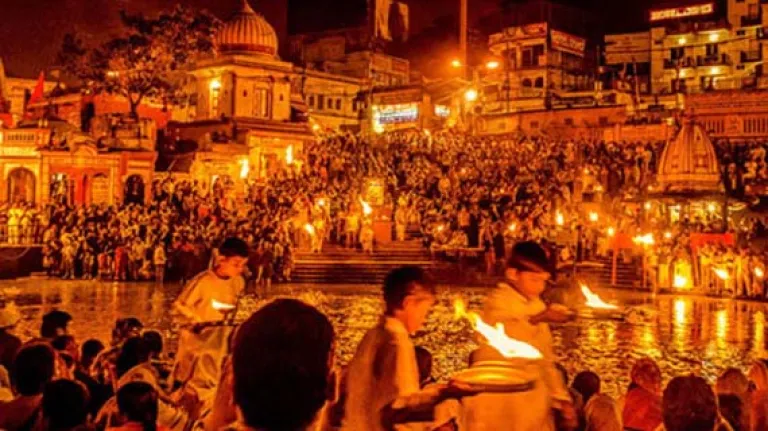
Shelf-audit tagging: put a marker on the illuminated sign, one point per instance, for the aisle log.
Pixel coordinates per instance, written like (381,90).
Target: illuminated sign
(568,43)
(683,12)
(442,111)
(395,114)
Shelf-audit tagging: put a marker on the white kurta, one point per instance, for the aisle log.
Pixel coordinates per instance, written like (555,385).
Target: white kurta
(383,371)
(528,411)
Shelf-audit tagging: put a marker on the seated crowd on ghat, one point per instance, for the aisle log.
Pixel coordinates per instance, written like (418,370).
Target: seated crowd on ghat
(454,191)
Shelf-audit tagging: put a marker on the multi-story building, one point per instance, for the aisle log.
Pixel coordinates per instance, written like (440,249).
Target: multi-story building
(693,47)
(538,64)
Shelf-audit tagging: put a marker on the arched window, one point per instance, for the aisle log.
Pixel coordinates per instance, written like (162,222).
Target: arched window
(539,82)
(527,82)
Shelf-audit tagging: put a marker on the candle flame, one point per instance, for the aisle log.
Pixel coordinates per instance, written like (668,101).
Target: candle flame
(680,282)
(367,210)
(646,239)
(310,229)
(594,301)
(495,335)
(722,274)
(220,306)
(244,168)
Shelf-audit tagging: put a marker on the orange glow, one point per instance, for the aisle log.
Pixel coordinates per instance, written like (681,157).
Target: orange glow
(759,273)
(722,274)
(594,301)
(220,306)
(310,229)
(611,231)
(455,63)
(367,210)
(495,336)
(493,64)
(593,216)
(681,282)
(244,168)
(559,219)
(646,239)
(512,227)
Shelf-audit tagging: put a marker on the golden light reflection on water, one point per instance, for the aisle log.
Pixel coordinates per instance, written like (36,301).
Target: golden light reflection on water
(684,334)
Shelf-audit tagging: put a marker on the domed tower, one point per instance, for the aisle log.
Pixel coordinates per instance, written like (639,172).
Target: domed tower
(689,163)
(247,33)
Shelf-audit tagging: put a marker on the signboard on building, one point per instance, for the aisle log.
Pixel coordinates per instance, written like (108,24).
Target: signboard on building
(568,43)
(628,48)
(682,12)
(396,114)
(509,34)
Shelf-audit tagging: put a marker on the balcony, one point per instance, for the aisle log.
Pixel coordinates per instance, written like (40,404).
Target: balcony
(751,20)
(751,56)
(681,63)
(713,60)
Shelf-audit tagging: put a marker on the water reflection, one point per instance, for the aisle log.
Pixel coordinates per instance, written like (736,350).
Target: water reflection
(685,334)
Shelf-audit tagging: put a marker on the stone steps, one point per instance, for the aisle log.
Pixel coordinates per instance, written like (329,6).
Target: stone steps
(628,276)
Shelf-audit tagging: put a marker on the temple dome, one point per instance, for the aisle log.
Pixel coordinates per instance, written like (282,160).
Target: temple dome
(689,162)
(247,32)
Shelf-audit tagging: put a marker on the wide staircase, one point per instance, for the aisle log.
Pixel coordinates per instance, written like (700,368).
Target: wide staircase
(337,264)
(598,272)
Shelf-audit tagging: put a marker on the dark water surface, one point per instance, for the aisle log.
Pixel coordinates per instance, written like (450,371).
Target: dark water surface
(685,334)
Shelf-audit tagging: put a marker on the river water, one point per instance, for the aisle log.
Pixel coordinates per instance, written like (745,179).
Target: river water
(683,333)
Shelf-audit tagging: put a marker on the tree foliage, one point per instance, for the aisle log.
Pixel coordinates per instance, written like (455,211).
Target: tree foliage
(148,60)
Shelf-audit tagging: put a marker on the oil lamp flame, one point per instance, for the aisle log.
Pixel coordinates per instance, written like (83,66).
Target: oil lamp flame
(680,282)
(722,274)
(559,219)
(220,306)
(367,210)
(594,301)
(495,335)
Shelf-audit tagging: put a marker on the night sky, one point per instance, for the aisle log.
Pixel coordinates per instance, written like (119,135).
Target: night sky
(31,30)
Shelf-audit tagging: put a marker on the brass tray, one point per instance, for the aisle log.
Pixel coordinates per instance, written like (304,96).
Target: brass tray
(494,379)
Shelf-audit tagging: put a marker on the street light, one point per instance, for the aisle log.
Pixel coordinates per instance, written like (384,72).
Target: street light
(470,95)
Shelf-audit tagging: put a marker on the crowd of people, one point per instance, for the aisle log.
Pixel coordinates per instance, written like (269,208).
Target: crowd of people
(278,371)
(460,193)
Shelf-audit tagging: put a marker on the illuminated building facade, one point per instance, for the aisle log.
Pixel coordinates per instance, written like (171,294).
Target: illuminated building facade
(691,48)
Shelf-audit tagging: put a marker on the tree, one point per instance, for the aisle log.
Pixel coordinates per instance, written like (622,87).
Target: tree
(147,61)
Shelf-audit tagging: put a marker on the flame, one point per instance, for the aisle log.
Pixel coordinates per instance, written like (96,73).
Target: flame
(722,274)
(667,234)
(559,219)
(759,273)
(495,335)
(289,154)
(440,228)
(594,301)
(321,202)
(593,216)
(244,168)
(310,229)
(646,239)
(367,210)
(611,231)
(680,282)
(220,306)
(513,227)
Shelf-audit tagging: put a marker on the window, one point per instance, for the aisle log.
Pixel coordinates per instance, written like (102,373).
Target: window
(527,82)
(741,32)
(320,101)
(311,101)
(539,83)
(676,53)
(330,103)
(568,121)
(215,101)
(713,49)
(531,55)
(603,121)
(534,124)
(338,104)
(260,103)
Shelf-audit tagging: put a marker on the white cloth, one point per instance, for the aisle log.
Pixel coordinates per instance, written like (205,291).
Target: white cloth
(383,372)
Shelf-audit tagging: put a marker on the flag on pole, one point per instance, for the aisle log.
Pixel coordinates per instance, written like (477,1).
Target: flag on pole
(39,91)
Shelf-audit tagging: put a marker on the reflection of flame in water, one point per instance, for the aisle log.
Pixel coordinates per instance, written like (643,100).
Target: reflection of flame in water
(721,326)
(680,323)
(495,336)
(758,343)
(220,306)
(680,311)
(722,274)
(594,301)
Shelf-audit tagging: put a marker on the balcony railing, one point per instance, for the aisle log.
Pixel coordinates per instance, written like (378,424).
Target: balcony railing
(681,63)
(751,56)
(714,60)
(751,20)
